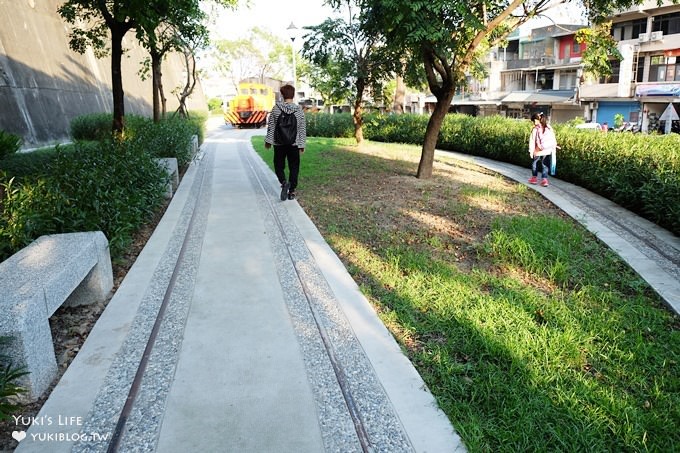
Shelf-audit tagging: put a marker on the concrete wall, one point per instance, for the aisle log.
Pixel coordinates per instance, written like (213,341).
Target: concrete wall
(44,84)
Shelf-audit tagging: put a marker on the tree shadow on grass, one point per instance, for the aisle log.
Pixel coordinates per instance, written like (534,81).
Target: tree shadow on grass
(518,363)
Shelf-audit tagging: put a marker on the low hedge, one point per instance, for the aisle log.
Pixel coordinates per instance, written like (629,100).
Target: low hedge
(637,171)
(102,185)
(110,187)
(9,144)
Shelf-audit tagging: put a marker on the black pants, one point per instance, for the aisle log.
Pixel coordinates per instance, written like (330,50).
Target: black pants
(292,154)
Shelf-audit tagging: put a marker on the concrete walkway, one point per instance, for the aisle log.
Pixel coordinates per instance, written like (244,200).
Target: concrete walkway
(239,330)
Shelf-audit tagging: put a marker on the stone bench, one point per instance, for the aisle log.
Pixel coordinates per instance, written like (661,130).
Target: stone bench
(55,270)
(170,166)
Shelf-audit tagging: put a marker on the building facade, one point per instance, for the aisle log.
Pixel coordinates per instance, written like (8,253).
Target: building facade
(645,87)
(543,72)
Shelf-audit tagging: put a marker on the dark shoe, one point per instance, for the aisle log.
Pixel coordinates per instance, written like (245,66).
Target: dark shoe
(284,191)
(291,195)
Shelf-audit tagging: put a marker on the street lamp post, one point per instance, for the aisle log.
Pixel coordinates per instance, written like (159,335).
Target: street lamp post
(292,32)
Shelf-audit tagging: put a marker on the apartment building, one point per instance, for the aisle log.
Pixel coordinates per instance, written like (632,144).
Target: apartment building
(645,87)
(542,71)
(539,72)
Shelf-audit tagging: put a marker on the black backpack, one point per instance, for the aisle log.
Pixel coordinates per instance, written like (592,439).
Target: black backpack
(285,132)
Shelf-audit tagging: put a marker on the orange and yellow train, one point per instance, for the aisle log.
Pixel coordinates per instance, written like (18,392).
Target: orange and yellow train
(251,105)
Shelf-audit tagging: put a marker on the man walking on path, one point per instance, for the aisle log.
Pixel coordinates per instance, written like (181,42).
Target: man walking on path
(287,131)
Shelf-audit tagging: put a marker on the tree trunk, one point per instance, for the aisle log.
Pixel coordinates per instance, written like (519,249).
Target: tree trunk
(432,134)
(117,34)
(399,94)
(357,116)
(156,84)
(190,63)
(358,123)
(164,100)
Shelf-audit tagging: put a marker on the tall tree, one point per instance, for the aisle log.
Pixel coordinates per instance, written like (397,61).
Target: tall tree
(188,48)
(329,81)
(97,23)
(173,25)
(178,27)
(444,39)
(362,57)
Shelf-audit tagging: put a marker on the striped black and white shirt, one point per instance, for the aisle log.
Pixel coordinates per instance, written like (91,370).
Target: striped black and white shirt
(299,116)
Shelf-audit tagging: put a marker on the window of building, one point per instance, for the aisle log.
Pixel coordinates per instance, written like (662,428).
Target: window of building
(669,24)
(663,69)
(640,72)
(576,49)
(639,26)
(629,29)
(544,80)
(567,79)
(616,69)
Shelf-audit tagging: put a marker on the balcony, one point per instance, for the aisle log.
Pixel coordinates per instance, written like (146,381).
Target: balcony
(530,63)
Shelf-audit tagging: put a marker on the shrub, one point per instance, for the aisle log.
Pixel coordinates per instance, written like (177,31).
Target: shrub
(9,144)
(105,186)
(98,126)
(197,119)
(92,185)
(32,164)
(170,137)
(215,104)
(330,125)
(113,187)
(28,210)
(93,126)
(8,388)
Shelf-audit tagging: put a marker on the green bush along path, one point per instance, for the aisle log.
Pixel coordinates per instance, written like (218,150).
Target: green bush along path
(94,184)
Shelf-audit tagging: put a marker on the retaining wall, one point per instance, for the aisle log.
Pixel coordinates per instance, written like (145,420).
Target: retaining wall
(44,84)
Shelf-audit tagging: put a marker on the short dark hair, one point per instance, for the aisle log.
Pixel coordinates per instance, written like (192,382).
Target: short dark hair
(287,91)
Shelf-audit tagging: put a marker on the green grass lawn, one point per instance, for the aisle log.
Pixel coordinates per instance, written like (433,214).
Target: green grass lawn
(531,334)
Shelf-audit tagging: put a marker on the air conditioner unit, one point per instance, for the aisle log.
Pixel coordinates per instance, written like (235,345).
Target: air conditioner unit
(656,36)
(594,105)
(644,37)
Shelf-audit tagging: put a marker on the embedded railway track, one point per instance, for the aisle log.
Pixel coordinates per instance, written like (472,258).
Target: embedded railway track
(325,327)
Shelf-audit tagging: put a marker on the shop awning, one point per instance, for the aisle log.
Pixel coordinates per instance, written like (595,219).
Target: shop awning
(538,97)
(458,101)
(657,89)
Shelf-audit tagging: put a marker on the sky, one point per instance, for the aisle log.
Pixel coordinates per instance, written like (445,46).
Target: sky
(272,15)
(276,15)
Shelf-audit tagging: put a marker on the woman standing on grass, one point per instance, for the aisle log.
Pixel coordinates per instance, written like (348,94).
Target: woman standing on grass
(542,147)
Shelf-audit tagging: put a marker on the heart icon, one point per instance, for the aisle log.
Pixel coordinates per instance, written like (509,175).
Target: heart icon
(19,435)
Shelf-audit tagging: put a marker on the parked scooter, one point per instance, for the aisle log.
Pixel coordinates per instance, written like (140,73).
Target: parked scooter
(627,127)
